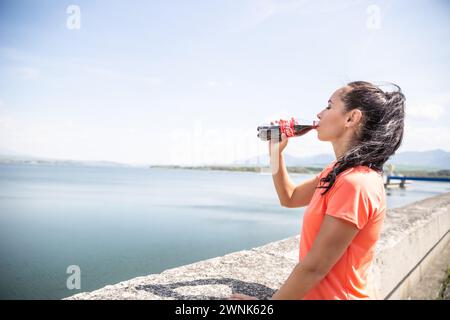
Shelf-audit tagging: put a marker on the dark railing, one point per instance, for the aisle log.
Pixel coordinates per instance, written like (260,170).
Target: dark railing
(403,180)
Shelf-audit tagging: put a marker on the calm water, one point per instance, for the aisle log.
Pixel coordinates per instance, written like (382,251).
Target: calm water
(120,223)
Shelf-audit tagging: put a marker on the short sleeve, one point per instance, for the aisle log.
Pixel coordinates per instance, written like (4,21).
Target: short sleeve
(348,200)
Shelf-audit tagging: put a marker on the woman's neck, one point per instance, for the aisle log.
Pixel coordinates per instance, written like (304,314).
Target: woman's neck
(340,148)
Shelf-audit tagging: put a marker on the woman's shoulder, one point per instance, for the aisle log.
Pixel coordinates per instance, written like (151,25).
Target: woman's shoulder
(362,176)
(362,171)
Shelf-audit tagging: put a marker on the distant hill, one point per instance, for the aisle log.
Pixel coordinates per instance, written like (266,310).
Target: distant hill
(24,159)
(431,160)
(410,160)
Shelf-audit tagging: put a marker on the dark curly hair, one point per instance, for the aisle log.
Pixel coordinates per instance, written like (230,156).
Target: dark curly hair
(380,133)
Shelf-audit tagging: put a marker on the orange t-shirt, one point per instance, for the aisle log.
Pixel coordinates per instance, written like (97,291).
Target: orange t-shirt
(357,196)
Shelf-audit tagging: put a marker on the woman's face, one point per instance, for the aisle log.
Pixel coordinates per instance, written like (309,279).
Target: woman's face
(333,118)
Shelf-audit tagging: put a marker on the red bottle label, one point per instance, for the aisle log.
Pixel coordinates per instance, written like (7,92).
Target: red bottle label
(287,127)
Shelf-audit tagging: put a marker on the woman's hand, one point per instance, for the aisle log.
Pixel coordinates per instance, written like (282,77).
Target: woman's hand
(273,145)
(240,296)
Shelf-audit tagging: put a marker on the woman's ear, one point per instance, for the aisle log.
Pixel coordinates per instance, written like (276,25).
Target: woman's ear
(354,118)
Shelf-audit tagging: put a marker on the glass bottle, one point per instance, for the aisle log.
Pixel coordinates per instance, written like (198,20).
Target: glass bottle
(292,128)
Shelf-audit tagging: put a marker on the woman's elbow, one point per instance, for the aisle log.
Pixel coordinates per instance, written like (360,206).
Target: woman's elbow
(286,204)
(291,204)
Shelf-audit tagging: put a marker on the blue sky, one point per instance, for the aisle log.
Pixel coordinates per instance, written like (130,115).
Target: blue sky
(188,82)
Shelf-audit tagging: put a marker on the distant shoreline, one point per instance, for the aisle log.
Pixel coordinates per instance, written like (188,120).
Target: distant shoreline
(436,173)
(304,170)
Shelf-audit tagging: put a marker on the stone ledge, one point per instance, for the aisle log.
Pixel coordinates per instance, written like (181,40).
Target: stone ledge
(408,235)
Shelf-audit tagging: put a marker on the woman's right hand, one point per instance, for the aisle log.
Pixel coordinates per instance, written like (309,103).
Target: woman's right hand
(281,145)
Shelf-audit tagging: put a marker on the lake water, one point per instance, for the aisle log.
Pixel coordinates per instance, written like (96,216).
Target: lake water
(120,223)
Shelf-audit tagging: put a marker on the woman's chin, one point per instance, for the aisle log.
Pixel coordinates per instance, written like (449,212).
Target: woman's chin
(319,136)
(322,138)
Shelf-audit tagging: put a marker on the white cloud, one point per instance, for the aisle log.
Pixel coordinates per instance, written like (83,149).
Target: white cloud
(27,73)
(117,75)
(264,9)
(425,112)
(260,11)
(215,84)
(252,15)
(5,124)
(14,54)
(425,138)
(212,83)
(152,81)
(99,72)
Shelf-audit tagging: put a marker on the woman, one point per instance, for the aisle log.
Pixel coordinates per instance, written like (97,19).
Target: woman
(346,201)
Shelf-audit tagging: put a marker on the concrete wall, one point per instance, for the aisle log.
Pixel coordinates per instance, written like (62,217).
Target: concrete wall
(412,237)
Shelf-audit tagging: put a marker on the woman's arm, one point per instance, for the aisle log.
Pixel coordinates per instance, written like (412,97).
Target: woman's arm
(335,235)
(290,196)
